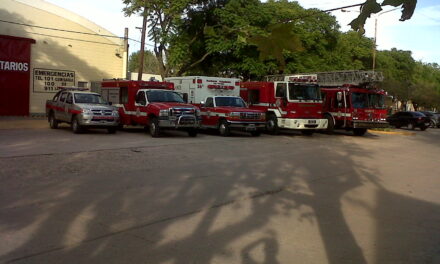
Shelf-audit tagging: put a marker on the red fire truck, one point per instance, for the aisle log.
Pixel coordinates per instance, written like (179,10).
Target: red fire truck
(295,104)
(221,106)
(352,100)
(151,104)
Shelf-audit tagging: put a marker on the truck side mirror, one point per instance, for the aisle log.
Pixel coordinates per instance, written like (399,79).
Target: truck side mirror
(185,97)
(284,100)
(110,103)
(339,96)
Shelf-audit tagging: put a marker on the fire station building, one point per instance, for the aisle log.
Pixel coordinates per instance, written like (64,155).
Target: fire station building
(43,47)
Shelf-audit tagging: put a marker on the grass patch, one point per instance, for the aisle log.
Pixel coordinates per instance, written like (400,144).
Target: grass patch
(387,129)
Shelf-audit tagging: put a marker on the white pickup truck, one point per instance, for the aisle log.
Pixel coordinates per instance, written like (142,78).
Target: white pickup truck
(82,109)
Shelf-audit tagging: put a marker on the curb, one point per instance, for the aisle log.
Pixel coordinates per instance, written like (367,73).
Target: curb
(392,132)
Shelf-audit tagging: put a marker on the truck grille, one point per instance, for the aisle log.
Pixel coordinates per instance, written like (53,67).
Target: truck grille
(183,111)
(250,116)
(102,112)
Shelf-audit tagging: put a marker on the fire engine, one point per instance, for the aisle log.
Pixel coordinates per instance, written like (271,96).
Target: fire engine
(352,100)
(294,104)
(221,106)
(151,104)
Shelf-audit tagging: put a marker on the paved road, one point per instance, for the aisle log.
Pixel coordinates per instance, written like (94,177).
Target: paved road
(129,198)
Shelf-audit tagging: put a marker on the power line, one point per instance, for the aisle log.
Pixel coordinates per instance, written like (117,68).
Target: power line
(90,41)
(70,31)
(65,30)
(324,11)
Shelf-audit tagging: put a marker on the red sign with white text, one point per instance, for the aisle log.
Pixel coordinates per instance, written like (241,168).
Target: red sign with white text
(15,59)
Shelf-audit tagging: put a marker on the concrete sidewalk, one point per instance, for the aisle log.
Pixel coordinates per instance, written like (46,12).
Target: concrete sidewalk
(20,122)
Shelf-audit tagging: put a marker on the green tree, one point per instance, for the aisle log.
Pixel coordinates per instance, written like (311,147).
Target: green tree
(151,65)
(398,67)
(163,16)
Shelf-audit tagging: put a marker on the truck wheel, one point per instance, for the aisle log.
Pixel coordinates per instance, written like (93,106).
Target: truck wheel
(154,127)
(432,124)
(53,123)
(307,132)
(255,133)
(192,132)
(330,124)
(223,128)
(111,130)
(76,127)
(423,128)
(359,131)
(272,125)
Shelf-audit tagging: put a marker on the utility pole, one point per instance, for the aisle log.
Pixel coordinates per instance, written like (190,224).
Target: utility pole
(126,51)
(141,55)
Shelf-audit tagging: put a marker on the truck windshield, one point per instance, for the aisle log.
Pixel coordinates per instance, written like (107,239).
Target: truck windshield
(368,100)
(229,101)
(83,98)
(164,96)
(359,100)
(376,100)
(304,92)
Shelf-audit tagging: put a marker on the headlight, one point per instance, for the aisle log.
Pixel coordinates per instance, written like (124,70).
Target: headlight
(115,113)
(234,114)
(87,112)
(164,112)
(263,116)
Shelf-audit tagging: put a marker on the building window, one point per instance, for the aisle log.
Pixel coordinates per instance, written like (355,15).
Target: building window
(83,84)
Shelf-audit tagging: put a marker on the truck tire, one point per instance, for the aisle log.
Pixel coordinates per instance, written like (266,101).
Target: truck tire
(359,131)
(272,125)
(307,132)
(154,127)
(223,128)
(255,133)
(76,127)
(330,124)
(423,128)
(192,132)
(53,123)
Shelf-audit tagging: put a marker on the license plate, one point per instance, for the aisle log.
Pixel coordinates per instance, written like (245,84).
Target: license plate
(312,122)
(102,117)
(251,127)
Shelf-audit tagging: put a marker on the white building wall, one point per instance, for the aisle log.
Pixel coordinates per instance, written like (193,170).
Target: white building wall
(91,57)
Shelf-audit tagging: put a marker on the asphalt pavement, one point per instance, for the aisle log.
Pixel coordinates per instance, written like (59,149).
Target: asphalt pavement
(130,198)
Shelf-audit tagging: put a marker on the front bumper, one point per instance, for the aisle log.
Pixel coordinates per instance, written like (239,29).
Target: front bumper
(302,124)
(247,125)
(98,121)
(184,121)
(370,124)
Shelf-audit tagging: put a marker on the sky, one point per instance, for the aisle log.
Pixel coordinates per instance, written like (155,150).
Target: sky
(420,34)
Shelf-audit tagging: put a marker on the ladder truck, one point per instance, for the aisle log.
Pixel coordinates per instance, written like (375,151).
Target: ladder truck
(351,100)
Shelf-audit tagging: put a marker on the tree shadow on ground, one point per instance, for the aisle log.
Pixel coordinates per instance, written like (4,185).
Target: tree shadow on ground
(80,207)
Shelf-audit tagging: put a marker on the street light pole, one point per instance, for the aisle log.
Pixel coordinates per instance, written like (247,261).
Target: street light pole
(375,35)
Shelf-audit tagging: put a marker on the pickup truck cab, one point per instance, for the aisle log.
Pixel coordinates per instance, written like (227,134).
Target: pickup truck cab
(82,109)
(154,105)
(227,113)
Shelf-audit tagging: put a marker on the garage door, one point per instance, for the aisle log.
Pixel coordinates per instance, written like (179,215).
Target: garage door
(15,54)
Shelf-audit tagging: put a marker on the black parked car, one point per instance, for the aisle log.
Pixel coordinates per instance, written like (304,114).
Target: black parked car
(410,120)
(434,117)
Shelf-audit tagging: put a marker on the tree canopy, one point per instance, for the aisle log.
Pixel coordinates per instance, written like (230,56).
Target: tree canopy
(251,39)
